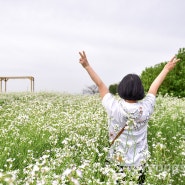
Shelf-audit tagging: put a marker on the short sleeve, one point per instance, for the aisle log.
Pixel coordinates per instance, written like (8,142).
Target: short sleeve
(110,104)
(105,98)
(107,102)
(149,102)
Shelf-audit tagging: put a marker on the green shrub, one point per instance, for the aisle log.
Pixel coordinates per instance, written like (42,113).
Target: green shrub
(113,88)
(174,82)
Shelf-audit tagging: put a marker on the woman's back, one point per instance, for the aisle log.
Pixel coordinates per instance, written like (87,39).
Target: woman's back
(131,146)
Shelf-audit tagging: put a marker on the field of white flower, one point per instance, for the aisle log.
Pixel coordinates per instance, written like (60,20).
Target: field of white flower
(53,138)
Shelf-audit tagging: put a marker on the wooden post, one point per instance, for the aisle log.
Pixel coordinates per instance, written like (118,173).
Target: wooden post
(5,84)
(32,84)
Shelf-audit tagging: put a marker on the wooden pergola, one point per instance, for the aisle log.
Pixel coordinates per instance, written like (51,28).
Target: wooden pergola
(6,78)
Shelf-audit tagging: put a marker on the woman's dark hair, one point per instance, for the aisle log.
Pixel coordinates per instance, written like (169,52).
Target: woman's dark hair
(131,88)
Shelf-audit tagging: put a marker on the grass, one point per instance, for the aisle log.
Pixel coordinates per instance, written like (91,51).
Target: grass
(53,138)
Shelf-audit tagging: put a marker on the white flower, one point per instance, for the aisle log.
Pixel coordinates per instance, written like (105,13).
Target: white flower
(75,181)
(79,173)
(160,146)
(1,174)
(162,175)
(67,172)
(45,169)
(35,168)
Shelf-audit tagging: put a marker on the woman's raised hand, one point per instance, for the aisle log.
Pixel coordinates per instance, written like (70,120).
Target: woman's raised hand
(83,60)
(171,64)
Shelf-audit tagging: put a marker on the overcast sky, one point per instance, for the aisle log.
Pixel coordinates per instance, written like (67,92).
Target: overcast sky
(42,38)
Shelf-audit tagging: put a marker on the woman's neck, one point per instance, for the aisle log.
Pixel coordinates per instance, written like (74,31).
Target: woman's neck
(131,101)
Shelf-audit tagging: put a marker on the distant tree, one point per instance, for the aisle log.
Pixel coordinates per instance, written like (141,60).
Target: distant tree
(93,89)
(113,88)
(174,82)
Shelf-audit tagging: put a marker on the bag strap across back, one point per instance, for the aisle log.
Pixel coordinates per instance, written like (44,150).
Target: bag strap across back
(119,133)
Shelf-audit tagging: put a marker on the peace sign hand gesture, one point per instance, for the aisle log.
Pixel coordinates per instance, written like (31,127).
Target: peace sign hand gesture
(94,76)
(83,60)
(171,64)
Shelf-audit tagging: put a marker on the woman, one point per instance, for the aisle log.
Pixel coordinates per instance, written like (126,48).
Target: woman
(128,117)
